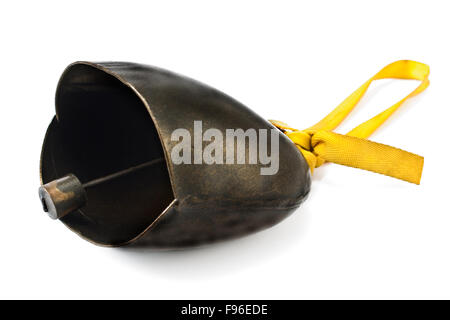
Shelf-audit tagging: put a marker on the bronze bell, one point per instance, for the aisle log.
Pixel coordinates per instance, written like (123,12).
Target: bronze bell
(106,165)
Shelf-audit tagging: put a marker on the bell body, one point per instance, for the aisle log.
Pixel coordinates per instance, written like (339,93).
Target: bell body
(114,116)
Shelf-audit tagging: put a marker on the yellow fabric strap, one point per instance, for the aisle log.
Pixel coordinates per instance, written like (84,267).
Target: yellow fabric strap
(319,144)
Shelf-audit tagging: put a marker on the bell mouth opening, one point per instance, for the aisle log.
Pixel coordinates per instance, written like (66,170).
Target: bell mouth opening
(104,135)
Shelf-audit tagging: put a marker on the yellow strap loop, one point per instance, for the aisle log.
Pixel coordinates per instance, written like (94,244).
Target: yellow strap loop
(319,144)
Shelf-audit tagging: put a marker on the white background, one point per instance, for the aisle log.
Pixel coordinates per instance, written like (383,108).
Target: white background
(359,235)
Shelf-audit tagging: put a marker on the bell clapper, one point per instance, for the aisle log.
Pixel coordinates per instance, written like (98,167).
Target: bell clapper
(67,194)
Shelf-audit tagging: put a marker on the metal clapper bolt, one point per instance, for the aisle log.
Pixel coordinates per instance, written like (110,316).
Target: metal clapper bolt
(67,194)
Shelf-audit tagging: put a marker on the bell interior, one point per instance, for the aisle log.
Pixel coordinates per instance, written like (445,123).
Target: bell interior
(102,128)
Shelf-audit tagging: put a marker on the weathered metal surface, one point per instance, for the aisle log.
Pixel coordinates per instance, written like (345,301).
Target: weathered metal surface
(62,196)
(115,116)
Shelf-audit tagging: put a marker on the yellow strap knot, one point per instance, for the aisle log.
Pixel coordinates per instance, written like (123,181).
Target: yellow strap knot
(319,144)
